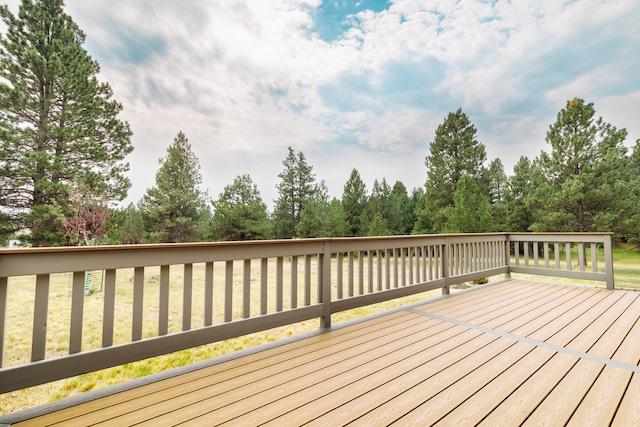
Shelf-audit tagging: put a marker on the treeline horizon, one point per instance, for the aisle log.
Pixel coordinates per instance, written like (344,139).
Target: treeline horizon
(587,182)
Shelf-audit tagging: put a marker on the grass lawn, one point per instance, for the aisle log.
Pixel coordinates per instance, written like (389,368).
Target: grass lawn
(626,261)
(20,316)
(626,269)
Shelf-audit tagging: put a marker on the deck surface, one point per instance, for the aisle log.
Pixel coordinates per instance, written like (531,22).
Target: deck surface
(514,353)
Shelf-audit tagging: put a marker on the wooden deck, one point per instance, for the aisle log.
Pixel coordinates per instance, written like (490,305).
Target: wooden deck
(514,353)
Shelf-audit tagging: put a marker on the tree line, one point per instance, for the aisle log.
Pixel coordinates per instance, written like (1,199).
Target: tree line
(62,151)
(587,181)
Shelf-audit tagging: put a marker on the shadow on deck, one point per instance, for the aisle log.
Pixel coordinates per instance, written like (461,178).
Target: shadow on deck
(511,353)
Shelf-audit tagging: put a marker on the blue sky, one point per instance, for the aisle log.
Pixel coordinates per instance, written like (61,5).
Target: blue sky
(354,84)
(334,18)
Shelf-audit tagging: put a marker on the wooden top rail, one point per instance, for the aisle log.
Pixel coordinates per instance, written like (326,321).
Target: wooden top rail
(29,261)
(561,237)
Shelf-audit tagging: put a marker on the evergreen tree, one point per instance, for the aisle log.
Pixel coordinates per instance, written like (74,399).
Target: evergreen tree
(240,213)
(295,190)
(336,224)
(58,123)
(311,222)
(422,223)
(401,216)
(171,208)
(314,215)
(205,225)
(496,180)
(7,228)
(354,202)
(584,185)
(454,152)
(393,205)
(378,226)
(518,195)
(380,199)
(125,226)
(631,223)
(471,210)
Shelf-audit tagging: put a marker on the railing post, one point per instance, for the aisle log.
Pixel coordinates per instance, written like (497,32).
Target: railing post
(446,268)
(77,311)
(325,284)
(40,312)
(608,262)
(4,302)
(507,257)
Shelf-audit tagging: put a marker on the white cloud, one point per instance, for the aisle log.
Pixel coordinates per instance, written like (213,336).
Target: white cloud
(410,128)
(622,112)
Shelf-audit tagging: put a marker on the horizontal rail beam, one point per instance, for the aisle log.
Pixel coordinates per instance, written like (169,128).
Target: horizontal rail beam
(467,277)
(386,295)
(569,274)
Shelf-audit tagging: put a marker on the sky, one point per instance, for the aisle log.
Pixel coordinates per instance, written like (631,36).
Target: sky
(354,84)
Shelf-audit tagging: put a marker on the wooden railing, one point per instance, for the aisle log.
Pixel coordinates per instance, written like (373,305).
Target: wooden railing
(570,255)
(158,299)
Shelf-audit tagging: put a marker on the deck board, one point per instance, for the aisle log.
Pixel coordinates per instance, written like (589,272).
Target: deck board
(457,393)
(559,404)
(513,353)
(402,393)
(473,409)
(361,379)
(628,413)
(372,387)
(600,403)
(515,409)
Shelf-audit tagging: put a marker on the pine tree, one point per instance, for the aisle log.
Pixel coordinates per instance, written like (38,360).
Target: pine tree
(471,210)
(354,202)
(240,213)
(125,226)
(380,199)
(7,228)
(584,184)
(314,215)
(454,152)
(496,180)
(171,208)
(58,123)
(336,224)
(422,223)
(520,189)
(295,190)
(401,215)
(378,226)
(631,223)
